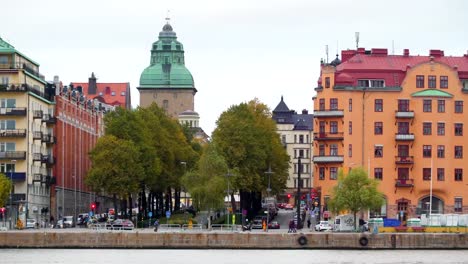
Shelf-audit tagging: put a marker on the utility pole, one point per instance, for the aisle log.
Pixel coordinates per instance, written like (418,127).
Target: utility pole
(298,195)
(269,172)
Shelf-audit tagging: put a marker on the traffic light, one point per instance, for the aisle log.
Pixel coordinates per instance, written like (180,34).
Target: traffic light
(289,195)
(2,210)
(93,206)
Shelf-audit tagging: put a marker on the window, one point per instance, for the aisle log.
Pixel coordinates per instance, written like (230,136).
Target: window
(427,151)
(458,106)
(440,174)
(333,150)
(122,93)
(321,150)
(377,83)
(378,151)
(301,154)
(441,129)
(458,174)
(113,93)
(427,106)
(427,128)
(443,82)
(100,93)
(419,81)
(295,138)
(441,106)
(378,106)
(333,104)
(426,174)
(5,168)
(363,83)
(333,127)
(350,105)
(165,104)
(327,82)
(441,151)
(7,103)
(432,81)
(301,139)
(403,105)
(7,124)
(350,127)
(378,173)
(403,128)
(403,173)
(458,152)
(333,173)
(322,104)
(371,83)
(350,150)
(283,139)
(5,79)
(458,129)
(322,173)
(307,138)
(403,150)
(458,205)
(322,127)
(378,128)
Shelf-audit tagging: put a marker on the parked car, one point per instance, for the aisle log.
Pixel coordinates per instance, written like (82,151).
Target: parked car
(31,223)
(288,207)
(257,224)
(120,224)
(323,226)
(273,225)
(68,221)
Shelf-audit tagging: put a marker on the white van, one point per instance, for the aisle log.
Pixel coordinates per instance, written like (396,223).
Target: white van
(344,223)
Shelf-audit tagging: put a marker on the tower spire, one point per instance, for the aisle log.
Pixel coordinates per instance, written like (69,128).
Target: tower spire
(168,16)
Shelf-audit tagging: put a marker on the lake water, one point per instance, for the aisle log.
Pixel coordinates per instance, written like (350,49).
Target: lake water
(143,256)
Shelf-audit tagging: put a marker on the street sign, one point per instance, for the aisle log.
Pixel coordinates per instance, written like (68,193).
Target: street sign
(168,214)
(150,214)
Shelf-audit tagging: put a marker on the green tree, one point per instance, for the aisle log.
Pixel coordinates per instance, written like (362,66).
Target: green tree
(207,184)
(116,168)
(247,139)
(355,192)
(5,188)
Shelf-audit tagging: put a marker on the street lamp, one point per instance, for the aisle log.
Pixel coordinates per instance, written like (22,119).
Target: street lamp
(11,189)
(269,172)
(298,195)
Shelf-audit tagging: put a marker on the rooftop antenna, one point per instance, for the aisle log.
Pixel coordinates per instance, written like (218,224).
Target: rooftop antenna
(168,16)
(357,40)
(326,51)
(337,49)
(393,47)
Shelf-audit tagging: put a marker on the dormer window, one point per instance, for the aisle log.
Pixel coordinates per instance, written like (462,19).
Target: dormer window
(113,93)
(371,83)
(122,93)
(100,93)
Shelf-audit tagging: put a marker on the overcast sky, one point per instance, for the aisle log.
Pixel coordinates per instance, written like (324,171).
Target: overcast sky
(235,50)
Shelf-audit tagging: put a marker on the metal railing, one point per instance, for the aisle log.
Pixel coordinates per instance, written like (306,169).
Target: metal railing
(404,183)
(13,111)
(13,133)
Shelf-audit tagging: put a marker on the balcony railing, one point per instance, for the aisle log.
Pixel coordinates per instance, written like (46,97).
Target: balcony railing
(37,135)
(328,136)
(23,87)
(38,114)
(13,111)
(404,183)
(404,114)
(404,136)
(328,159)
(16,176)
(37,177)
(49,119)
(37,156)
(48,139)
(22,66)
(20,155)
(49,160)
(329,113)
(13,133)
(404,159)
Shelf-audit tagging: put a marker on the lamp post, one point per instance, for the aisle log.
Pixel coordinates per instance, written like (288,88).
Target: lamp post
(185,191)
(11,190)
(298,195)
(269,172)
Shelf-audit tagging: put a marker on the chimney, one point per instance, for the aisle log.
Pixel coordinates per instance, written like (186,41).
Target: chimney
(406,52)
(92,85)
(383,52)
(347,54)
(436,53)
(57,84)
(305,112)
(361,50)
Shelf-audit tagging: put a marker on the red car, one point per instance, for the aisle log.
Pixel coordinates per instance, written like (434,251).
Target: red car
(288,207)
(273,225)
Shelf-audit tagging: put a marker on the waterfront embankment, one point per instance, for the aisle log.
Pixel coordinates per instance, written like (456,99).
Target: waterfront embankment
(230,240)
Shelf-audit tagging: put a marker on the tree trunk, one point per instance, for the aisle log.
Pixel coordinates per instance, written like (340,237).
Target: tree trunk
(130,205)
(177,199)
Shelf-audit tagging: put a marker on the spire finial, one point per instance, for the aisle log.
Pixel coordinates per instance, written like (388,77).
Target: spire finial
(168,16)
(281,98)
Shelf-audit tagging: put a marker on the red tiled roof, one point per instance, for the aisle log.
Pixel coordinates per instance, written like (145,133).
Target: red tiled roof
(118,98)
(398,62)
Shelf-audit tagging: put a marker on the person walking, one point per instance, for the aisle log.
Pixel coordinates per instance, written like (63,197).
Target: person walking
(156,225)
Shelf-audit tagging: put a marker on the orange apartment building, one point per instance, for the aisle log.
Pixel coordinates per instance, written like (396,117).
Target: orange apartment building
(401,118)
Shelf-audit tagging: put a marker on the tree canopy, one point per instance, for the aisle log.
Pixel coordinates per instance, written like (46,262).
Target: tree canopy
(5,187)
(247,139)
(355,192)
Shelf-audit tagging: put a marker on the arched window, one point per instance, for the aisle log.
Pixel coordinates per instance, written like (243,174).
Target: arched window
(425,203)
(381,212)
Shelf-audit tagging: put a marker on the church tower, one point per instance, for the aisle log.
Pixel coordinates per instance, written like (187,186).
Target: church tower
(166,80)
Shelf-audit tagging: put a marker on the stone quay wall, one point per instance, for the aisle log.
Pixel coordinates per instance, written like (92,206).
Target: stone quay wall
(245,240)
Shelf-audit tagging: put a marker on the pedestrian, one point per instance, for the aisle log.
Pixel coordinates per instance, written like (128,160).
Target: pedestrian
(156,225)
(291,226)
(308,222)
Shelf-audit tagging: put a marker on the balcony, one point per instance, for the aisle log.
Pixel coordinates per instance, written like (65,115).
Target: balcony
(404,114)
(48,139)
(23,87)
(328,136)
(49,119)
(13,155)
(13,111)
(37,177)
(37,157)
(328,159)
(404,136)
(16,176)
(37,135)
(404,160)
(17,197)
(404,183)
(38,114)
(49,160)
(329,113)
(13,133)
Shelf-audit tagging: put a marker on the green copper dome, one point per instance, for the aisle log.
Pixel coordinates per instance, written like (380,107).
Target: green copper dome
(167,67)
